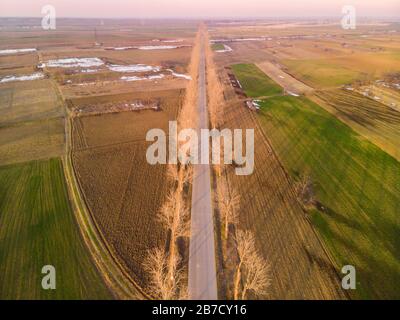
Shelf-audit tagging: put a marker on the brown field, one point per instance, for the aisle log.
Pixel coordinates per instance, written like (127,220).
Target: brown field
(123,192)
(29,100)
(31,121)
(31,141)
(18,64)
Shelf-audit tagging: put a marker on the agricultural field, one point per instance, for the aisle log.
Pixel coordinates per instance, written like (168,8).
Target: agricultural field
(123,192)
(114,82)
(254,82)
(377,122)
(300,268)
(31,121)
(31,141)
(359,223)
(338,71)
(349,152)
(38,228)
(77,192)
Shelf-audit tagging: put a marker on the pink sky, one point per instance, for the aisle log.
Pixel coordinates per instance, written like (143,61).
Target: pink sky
(199,8)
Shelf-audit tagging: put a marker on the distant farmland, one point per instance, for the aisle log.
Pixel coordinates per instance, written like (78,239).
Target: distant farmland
(340,70)
(38,228)
(356,184)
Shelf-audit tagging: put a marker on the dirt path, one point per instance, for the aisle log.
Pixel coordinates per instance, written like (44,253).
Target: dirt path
(286,81)
(202,268)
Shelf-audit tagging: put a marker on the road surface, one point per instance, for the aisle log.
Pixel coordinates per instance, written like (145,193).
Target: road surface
(202,269)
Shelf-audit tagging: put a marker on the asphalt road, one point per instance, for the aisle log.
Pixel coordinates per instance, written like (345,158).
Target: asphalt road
(202,268)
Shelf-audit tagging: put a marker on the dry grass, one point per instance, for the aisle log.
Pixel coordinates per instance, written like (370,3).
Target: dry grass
(32,140)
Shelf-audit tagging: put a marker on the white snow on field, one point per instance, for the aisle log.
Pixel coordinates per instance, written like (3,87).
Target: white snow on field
(89,70)
(74,63)
(226,49)
(293,94)
(14,51)
(133,68)
(122,48)
(282,77)
(35,76)
(239,40)
(135,78)
(250,39)
(179,75)
(155,77)
(157,47)
(173,41)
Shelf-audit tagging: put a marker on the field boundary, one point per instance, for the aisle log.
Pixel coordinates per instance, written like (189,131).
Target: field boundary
(119,282)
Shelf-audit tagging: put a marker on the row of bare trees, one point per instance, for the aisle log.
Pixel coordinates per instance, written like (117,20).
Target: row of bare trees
(249,270)
(167,268)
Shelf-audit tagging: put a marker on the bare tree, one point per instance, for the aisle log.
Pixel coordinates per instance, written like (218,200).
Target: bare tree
(305,190)
(155,266)
(216,95)
(162,285)
(252,271)
(229,204)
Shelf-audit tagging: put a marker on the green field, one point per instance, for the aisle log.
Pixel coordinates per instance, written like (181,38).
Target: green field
(37,228)
(255,83)
(356,182)
(217,46)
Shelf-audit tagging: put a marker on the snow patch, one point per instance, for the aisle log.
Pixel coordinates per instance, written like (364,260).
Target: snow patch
(179,75)
(35,76)
(293,94)
(135,78)
(74,63)
(14,51)
(122,48)
(173,41)
(157,47)
(226,49)
(89,70)
(133,68)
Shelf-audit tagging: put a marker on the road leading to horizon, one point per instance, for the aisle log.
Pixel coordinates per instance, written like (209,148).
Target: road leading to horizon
(202,269)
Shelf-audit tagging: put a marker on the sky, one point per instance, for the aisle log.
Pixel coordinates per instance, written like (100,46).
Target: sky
(199,8)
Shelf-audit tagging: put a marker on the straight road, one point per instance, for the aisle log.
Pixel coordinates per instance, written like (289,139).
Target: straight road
(202,268)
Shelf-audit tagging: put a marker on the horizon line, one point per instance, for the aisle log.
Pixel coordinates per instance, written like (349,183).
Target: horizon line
(203,17)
